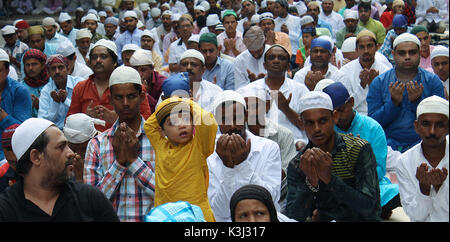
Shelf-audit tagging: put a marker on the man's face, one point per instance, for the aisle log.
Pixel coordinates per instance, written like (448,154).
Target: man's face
(198,13)
(247,8)
(266,25)
(33,67)
(351,24)
(185,29)
(230,24)
(166,21)
(66,26)
(10,39)
(276,60)
(57,163)
(432,129)
(364,14)
(407,56)
(126,55)
(399,30)
(319,125)
(440,66)
(3,71)
(22,34)
(101,61)
(91,25)
(210,52)
(398,9)
(49,31)
(350,3)
(58,72)
(366,49)
(128,5)
(279,10)
(226,4)
(37,42)
(131,23)
(313,12)
(320,57)
(147,43)
(327,6)
(231,118)
(425,41)
(145,72)
(193,67)
(110,29)
(344,114)
(126,100)
(83,44)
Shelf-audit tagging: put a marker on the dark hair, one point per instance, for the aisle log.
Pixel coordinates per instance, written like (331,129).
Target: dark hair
(365,6)
(70,57)
(374,40)
(136,86)
(110,52)
(24,163)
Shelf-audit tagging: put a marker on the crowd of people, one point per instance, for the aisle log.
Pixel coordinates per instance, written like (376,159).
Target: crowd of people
(220,111)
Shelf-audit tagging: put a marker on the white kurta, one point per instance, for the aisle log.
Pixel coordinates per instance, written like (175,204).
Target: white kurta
(333,73)
(245,61)
(353,83)
(262,167)
(417,206)
(335,20)
(293,24)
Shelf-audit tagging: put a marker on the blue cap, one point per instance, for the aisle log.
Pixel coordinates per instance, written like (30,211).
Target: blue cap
(338,94)
(178,82)
(322,43)
(399,21)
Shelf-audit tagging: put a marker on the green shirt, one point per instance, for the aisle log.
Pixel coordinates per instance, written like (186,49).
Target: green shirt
(98,37)
(340,35)
(376,27)
(353,193)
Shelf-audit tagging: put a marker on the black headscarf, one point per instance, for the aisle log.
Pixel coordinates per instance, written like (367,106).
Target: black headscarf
(257,192)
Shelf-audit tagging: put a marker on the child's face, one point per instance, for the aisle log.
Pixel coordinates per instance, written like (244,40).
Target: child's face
(178,128)
(307,38)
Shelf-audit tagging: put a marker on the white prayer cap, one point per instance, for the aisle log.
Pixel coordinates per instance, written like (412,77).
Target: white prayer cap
(63,17)
(322,84)
(351,14)
(141,57)
(176,17)
(206,5)
(349,45)
(65,49)
(27,133)
(152,1)
(108,8)
(264,4)
(92,11)
(266,15)
(112,20)
(271,1)
(406,37)
(124,75)
(139,24)
(155,12)
(90,16)
(167,12)
(80,128)
(306,20)
(194,38)
(191,53)
(228,96)
(148,33)
(48,21)
(132,47)
(199,7)
(439,50)
(144,6)
(315,99)
(8,29)
(212,20)
(102,14)
(131,14)
(165,5)
(433,104)
(105,43)
(254,19)
(83,33)
(4,56)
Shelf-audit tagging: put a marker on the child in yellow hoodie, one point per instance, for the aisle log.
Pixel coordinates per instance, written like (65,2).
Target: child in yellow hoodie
(183,136)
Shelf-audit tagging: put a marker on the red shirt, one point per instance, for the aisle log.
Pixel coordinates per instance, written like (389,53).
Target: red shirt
(85,91)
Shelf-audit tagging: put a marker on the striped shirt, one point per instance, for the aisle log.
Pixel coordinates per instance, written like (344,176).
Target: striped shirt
(130,188)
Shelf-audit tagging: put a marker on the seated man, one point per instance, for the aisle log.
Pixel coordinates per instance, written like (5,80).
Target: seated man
(422,171)
(334,178)
(425,47)
(254,160)
(432,14)
(440,63)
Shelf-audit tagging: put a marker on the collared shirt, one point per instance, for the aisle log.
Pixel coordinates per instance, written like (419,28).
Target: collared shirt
(293,24)
(72,36)
(425,63)
(398,121)
(177,48)
(369,129)
(130,188)
(128,37)
(332,73)
(17,51)
(334,19)
(206,94)
(419,207)
(240,46)
(288,87)
(223,72)
(353,192)
(262,167)
(86,91)
(96,37)
(376,27)
(423,6)
(51,110)
(246,61)
(58,39)
(353,83)
(340,35)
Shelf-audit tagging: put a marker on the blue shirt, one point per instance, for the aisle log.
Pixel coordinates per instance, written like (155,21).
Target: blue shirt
(223,71)
(51,110)
(16,101)
(369,129)
(128,38)
(323,24)
(398,121)
(72,36)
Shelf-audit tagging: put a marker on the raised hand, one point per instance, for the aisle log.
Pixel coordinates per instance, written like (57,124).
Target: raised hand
(323,164)
(396,89)
(239,148)
(414,90)
(307,167)
(223,152)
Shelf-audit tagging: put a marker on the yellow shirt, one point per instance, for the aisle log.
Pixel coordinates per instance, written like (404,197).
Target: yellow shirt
(182,171)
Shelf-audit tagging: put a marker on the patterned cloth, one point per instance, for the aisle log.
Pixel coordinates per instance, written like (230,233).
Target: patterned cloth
(130,189)
(43,76)
(180,211)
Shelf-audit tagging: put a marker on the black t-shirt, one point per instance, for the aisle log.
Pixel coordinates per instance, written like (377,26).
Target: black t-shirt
(76,203)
